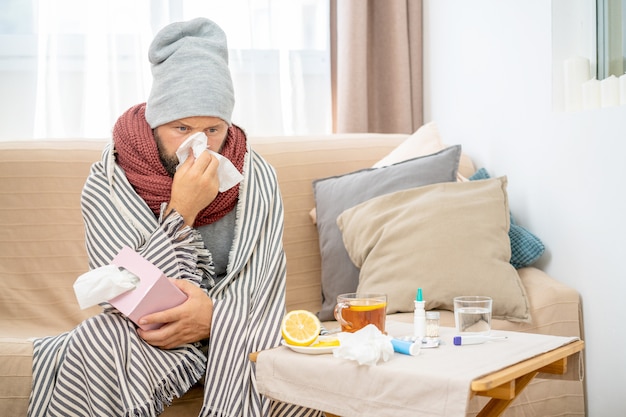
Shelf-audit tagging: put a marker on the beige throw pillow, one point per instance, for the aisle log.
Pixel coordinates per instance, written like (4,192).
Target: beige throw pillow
(449,239)
(425,141)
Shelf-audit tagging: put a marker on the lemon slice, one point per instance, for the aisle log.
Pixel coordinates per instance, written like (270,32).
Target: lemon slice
(331,342)
(300,328)
(368,307)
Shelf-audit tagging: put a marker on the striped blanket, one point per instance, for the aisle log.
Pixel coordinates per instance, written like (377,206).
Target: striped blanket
(102,367)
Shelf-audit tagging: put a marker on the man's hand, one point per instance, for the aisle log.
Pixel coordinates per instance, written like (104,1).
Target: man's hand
(195,186)
(186,323)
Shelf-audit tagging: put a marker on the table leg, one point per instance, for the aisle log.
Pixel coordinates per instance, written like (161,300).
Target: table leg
(495,407)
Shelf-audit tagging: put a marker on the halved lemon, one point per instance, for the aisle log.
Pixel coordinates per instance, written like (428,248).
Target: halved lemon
(300,328)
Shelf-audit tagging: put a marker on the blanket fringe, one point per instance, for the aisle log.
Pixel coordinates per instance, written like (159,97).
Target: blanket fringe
(174,385)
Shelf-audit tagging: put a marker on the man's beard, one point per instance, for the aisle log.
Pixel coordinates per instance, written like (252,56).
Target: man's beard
(169,162)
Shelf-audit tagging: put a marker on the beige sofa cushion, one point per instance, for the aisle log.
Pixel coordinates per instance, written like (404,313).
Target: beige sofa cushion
(42,242)
(450,239)
(42,250)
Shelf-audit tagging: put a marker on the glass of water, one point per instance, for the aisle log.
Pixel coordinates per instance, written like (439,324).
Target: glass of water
(472,314)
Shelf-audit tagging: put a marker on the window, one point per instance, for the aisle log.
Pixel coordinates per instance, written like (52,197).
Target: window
(611,36)
(69,68)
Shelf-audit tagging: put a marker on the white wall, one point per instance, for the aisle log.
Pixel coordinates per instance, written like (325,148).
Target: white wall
(488,85)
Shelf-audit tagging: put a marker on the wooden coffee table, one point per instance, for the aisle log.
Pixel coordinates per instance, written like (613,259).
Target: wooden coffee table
(502,385)
(505,385)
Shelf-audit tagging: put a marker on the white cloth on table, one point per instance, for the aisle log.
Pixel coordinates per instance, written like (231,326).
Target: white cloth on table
(434,383)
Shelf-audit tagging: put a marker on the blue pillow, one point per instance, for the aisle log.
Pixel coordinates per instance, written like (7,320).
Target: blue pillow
(526,248)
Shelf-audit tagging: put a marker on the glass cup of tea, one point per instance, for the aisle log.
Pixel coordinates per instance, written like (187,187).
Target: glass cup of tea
(472,314)
(356,310)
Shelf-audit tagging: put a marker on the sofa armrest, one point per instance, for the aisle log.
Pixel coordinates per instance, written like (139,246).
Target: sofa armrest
(555,307)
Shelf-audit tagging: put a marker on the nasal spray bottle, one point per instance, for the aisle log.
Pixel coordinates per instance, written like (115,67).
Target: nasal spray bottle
(419,317)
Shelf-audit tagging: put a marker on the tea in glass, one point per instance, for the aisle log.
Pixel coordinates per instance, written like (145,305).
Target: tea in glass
(355,311)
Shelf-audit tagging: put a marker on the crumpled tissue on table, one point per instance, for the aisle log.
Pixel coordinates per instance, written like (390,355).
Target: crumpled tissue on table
(367,346)
(227,174)
(103,284)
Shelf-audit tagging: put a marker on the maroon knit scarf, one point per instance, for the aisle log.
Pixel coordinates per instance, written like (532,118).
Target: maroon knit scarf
(138,155)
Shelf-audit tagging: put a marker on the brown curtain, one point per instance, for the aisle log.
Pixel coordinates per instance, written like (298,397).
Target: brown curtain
(376,55)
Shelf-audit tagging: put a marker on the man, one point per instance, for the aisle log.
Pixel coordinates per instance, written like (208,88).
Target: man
(224,250)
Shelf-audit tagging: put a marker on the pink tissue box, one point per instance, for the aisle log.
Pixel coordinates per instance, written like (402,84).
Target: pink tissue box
(154,292)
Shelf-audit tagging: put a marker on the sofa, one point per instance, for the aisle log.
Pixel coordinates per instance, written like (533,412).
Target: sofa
(42,253)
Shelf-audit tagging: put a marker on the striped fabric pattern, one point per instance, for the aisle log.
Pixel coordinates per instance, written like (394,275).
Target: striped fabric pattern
(102,367)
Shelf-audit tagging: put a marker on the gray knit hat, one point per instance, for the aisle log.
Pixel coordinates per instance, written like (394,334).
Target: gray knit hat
(190,73)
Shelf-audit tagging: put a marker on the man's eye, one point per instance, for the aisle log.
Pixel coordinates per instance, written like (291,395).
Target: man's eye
(182,128)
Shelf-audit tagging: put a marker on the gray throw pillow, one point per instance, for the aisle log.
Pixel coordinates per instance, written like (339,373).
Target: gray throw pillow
(333,195)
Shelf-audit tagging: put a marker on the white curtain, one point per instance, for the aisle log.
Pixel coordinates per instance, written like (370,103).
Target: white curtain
(84,62)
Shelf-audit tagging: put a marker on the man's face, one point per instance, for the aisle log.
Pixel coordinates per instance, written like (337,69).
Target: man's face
(171,135)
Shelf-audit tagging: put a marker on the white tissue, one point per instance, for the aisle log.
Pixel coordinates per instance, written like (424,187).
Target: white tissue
(227,174)
(366,346)
(103,284)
